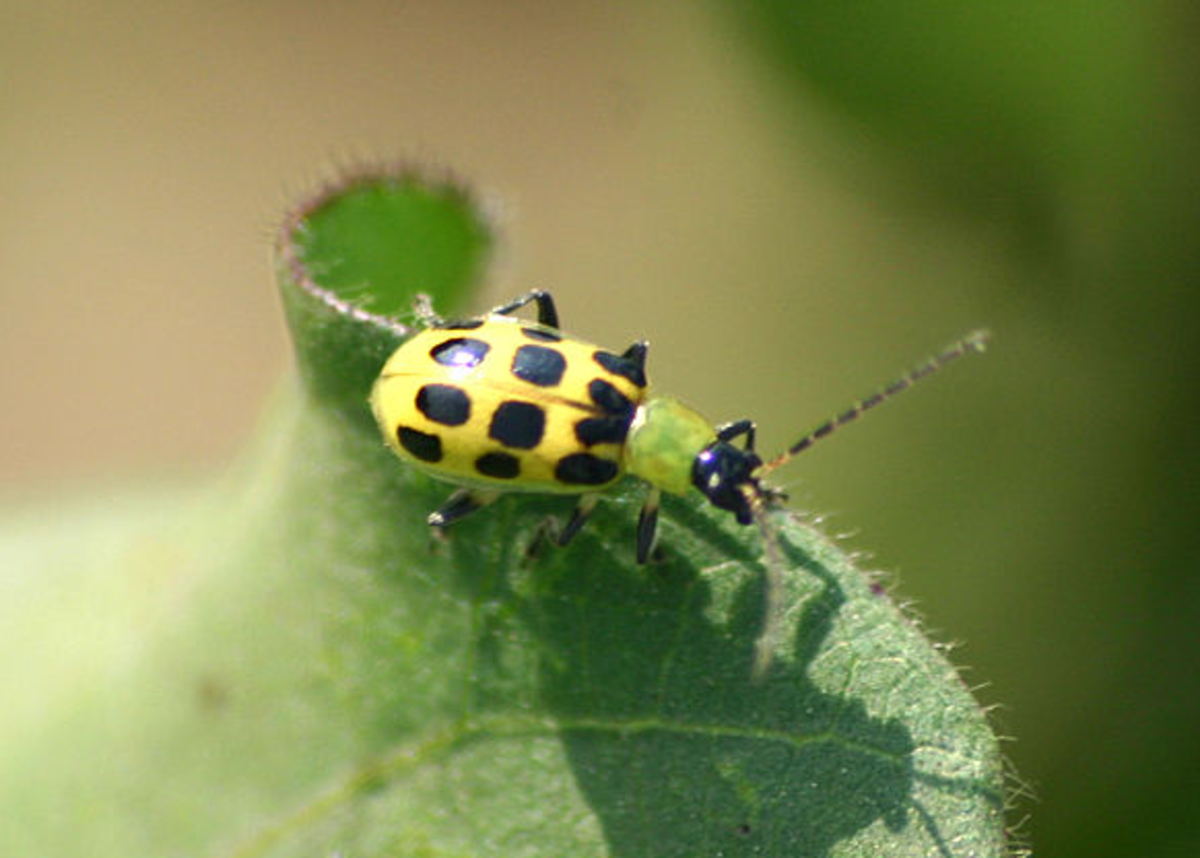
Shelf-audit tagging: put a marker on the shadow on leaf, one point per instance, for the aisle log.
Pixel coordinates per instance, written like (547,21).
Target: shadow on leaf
(674,746)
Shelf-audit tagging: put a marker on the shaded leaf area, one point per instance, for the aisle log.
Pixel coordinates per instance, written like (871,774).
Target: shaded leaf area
(289,664)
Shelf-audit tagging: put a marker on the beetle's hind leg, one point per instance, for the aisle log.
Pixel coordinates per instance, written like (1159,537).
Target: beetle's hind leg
(546,313)
(583,510)
(459,505)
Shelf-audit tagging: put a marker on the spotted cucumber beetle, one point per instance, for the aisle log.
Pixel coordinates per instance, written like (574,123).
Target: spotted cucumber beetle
(498,404)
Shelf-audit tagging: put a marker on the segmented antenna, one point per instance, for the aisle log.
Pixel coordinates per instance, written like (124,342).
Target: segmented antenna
(760,496)
(976,341)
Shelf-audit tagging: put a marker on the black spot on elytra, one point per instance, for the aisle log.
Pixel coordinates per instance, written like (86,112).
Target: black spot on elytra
(444,403)
(622,366)
(609,398)
(518,424)
(603,430)
(502,466)
(543,334)
(584,469)
(423,446)
(461,352)
(539,365)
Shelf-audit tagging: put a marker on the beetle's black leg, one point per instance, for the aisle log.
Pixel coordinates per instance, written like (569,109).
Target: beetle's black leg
(729,431)
(636,353)
(459,505)
(543,535)
(647,523)
(547,315)
(583,509)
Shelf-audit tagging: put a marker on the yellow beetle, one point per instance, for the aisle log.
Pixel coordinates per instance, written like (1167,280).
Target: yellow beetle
(499,404)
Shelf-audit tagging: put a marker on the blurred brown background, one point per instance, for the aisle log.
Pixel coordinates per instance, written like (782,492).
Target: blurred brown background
(790,212)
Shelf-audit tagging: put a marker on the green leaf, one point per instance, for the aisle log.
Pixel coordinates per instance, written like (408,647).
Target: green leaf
(287,664)
(352,258)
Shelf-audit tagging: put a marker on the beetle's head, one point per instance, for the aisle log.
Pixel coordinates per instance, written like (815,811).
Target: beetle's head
(725,474)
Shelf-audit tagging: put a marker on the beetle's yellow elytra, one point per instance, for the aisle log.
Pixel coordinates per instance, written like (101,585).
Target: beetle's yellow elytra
(503,404)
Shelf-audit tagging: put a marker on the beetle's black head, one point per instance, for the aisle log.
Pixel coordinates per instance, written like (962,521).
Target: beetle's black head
(723,472)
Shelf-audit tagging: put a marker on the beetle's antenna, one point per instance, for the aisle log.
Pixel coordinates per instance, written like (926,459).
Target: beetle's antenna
(773,601)
(976,341)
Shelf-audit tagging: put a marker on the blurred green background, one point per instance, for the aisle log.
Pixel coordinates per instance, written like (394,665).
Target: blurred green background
(791,200)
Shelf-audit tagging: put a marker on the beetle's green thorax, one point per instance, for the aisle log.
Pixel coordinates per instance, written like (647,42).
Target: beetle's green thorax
(663,442)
